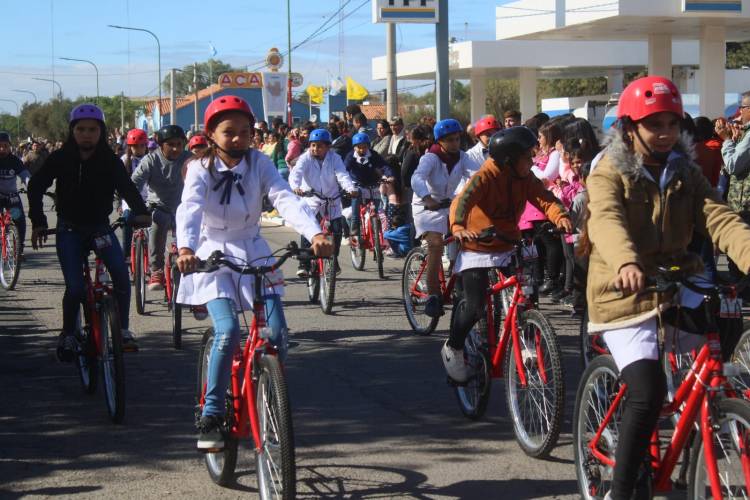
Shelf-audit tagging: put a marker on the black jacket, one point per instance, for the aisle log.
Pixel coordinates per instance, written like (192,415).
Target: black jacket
(367,174)
(85,189)
(342,145)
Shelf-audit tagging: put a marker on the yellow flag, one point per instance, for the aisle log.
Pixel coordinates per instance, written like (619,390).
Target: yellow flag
(316,94)
(355,91)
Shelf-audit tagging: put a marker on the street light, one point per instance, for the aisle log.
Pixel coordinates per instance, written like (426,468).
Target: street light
(59,88)
(18,116)
(158,47)
(27,92)
(95,69)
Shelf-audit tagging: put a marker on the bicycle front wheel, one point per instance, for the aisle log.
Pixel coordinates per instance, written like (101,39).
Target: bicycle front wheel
(731,445)
(140,277)
(112,362)
(535,407)
(597,389)
(377,248)
(328,285)
(313,282)
(275,464)
(357,252)
(220,465)
(414,292)
(86,362)
(176,310)
(11,264)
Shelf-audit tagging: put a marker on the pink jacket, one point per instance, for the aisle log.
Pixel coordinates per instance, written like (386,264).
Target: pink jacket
(532,214)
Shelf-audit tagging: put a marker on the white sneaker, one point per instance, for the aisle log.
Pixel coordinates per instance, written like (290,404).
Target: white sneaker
(454,363)
(129,343)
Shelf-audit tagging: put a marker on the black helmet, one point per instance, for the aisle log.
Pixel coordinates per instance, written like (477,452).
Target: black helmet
(168,132)
(4,137)
(508,144)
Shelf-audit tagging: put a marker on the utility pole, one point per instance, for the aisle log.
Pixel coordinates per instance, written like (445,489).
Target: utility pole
(390,71)
(195,90)
(172,102)
(442,104)
(289,74)
(122,111)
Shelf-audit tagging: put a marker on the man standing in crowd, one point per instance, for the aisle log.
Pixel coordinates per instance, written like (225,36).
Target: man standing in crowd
(34,159)
(511,118)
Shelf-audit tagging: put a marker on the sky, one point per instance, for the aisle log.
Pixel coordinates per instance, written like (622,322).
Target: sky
(36,33)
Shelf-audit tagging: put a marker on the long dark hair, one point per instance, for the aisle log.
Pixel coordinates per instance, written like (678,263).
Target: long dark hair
(102,147)
(420,133)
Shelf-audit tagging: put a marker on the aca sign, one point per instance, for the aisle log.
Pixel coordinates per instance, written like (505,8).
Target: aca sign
(405,11)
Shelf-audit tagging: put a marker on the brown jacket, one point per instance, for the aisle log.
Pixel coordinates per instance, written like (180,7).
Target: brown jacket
(633,222)
(495,197)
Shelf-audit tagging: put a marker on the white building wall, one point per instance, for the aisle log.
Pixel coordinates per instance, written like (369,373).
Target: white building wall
(524,16)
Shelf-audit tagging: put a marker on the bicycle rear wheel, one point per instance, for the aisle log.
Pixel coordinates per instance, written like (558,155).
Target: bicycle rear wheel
(376,244)
(176,310)
(112,362)
(537,407)
(11,265)
(86,362)
(731,437)
(357,252)
(328,285)
(140,277)
(275,464)
(220,465)
(414,292)
(741,358)
(475,394)
(596,391)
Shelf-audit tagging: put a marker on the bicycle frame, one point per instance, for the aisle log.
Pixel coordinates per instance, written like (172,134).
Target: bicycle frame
(5,220)
(171,258)
(446,289)
(693,401)
(95,290)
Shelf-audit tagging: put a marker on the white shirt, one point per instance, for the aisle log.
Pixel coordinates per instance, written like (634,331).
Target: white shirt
(479,153)
(432,177)
(310,174)
(207,221)
(395,141)
(552,171)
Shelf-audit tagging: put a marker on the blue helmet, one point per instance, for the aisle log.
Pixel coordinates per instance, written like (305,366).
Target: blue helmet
(320,135)
(446,127)
(360,138)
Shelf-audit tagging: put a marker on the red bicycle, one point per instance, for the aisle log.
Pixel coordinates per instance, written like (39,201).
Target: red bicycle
(99,334)
(139,268)
(10,262)
(515,341)
(321,280)
(713,425)
(257,402)
(370,235)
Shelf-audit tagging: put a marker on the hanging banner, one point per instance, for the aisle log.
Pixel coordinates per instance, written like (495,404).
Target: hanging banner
(241,80)
(274,94)
(712,6)
(405,11)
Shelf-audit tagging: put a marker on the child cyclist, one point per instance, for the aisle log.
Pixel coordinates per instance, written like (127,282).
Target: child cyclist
(321,170)
(220,210)
(136,142)
(86,174)
(162,172)
(11,167)
(496,196)
(438,175)
(366,167)
(646,196)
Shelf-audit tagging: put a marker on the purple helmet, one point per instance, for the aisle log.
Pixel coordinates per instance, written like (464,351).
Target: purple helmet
(152,145)
(87,111)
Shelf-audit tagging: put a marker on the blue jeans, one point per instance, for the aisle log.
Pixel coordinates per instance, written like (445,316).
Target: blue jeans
(72,244)
(227,341)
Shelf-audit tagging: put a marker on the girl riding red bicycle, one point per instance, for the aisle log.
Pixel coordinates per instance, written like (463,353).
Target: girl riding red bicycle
(220,210)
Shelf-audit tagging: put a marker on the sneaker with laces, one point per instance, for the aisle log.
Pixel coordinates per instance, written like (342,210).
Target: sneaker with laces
(129,343)
(156,282)
(455,364)
(302,273)
(210,437)
(67,345)
(433,307)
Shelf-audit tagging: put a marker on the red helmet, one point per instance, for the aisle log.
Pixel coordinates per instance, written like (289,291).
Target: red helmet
(649,95)
(488,123)
(197,140)
(226,103)
(136,136)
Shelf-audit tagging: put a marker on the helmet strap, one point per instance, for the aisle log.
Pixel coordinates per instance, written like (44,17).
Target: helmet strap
(661,158)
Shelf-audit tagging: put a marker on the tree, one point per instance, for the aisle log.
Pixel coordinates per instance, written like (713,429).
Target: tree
(738,55)
(9,123)
(184,77)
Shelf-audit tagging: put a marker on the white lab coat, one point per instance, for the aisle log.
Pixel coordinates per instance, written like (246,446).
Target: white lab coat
(309,174)
(432,178)
(204,224)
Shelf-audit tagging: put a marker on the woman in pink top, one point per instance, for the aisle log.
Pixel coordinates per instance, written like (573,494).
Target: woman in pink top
(294,149)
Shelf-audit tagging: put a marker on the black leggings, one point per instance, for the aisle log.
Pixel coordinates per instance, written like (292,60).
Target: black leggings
(475,282)
(647,387)
(553,252)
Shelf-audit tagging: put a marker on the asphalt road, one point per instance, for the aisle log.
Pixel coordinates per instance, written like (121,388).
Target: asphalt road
(373,415)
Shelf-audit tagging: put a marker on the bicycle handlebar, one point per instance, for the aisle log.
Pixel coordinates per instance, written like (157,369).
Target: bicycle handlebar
(667,280)
(311,193)
(216,260)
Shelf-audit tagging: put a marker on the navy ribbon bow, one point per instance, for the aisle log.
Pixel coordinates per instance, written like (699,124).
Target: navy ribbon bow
(229,178)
